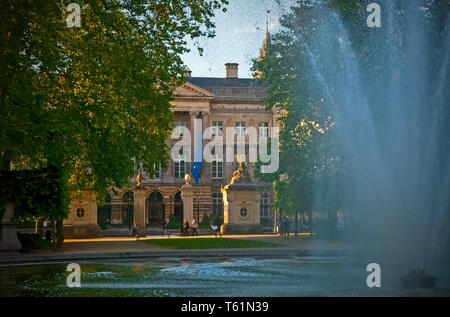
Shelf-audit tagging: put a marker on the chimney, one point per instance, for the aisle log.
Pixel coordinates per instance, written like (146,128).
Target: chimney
(231,70)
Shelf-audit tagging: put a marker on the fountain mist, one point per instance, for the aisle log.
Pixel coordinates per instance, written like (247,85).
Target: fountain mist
(391,132)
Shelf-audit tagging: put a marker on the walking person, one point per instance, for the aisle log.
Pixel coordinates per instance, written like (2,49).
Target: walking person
(135,231)
(194,227)
(185,227)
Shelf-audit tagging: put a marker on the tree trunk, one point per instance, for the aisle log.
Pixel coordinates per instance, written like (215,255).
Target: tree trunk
(59,233)
(275,221)
(281,222)
(310,223)
(54,233)
(296,223)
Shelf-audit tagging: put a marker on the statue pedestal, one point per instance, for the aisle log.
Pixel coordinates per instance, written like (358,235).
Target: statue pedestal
(187,194)
(8,231)
(139,210)
(242,212)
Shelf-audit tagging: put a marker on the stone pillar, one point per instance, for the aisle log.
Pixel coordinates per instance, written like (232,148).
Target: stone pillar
(187,194)
(205,118)
(8,232)
(139,210)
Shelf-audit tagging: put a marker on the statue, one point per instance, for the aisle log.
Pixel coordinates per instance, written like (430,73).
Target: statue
(187,179)
(139,179)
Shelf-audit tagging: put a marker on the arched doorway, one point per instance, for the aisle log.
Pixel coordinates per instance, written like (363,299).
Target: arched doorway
(128,209)
(155,210)
(104,213)
(178,207)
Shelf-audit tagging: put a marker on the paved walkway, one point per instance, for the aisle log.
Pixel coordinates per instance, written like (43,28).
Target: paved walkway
(130,248)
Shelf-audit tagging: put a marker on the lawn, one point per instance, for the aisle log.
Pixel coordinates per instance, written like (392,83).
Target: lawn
(211,243)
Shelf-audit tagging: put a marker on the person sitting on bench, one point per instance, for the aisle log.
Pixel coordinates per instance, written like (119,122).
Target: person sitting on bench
(215,229)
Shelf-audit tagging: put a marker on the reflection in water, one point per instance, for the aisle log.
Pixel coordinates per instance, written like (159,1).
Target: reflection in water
(202,277)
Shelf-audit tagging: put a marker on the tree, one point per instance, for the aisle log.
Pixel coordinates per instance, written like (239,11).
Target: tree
(328,75)
(94,99)
(307,154)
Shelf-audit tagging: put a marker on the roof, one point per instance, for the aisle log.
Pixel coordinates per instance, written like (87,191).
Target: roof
(224,82)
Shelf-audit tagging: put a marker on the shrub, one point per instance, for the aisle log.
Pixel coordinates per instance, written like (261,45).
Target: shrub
(205,222)
(32,241)
(173,223)
(102,223)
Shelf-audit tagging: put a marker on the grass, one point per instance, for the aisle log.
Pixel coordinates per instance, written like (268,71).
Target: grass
(211,243)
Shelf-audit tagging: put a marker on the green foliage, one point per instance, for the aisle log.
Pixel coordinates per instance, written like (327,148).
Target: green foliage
(36,193)
(32,241)
(95,99)
(310,160)
(173,223)
(102,223)
(206,219)
(305,114)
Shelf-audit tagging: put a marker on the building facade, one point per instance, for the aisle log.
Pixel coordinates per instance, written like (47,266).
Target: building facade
(200,103)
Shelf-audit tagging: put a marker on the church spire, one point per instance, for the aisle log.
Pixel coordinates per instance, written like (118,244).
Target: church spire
(266,41)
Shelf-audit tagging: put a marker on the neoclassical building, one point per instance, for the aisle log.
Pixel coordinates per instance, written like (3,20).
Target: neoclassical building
(203,102)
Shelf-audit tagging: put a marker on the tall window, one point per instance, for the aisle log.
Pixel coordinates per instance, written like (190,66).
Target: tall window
(240,128)
(179,165)
(217,165)
(264,130)
(217,128)
(265,206)
(180,129)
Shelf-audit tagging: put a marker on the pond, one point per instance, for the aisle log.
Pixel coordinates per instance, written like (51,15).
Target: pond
(223,277)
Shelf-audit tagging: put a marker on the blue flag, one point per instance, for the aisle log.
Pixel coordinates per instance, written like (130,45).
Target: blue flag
(197,165)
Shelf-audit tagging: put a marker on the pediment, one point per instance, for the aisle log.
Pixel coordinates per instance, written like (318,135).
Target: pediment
(188,90)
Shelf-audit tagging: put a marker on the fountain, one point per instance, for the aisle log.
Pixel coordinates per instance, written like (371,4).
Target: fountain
(391,131)
(418,279)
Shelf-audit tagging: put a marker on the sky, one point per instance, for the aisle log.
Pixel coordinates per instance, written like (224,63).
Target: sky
(239,37)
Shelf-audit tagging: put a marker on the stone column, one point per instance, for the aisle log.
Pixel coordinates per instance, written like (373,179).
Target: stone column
(8,232)
(187,194)
(139,210)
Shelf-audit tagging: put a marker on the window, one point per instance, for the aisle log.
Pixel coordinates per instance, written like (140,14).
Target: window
(180,169)
(264,206)
(158,171)
(217,128)
(179,165)
(264,130)
(217,165)
(80,212)
(240,128)
(243,212)
(180,129)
